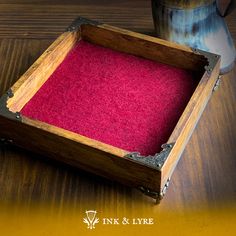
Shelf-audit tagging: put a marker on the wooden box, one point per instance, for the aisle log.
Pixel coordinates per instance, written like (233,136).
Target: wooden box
(104,99)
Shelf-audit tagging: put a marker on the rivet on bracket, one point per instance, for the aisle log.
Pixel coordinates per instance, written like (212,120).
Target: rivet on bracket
(154,194)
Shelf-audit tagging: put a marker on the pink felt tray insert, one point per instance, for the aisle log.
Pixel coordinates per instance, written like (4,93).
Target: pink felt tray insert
(116,98)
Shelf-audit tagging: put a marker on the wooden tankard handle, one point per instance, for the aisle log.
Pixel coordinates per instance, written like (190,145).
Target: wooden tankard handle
(223,6)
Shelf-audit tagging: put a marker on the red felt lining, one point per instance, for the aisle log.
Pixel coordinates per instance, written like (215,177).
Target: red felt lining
(119,99)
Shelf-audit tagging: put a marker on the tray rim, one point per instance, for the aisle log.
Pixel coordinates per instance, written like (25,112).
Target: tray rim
(167,166)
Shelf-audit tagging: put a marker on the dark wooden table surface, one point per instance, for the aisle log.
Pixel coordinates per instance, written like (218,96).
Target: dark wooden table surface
(206,174)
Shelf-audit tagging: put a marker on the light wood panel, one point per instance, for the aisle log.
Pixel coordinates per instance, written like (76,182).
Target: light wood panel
(144,46)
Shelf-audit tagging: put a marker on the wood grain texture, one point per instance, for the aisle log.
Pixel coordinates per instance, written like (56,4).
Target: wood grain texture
(207,171)
(78,151)
(188,121)
(144,46)
(29,83)
(48,20)
(91,155)
(186,3)
(16,56)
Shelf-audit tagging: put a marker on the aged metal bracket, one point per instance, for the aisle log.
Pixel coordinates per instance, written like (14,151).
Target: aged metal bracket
(153,194)
(217,84)
(4,111)
(80,21)
(4,141)
(156,161)
(163,191)
(148,192)
(211,58)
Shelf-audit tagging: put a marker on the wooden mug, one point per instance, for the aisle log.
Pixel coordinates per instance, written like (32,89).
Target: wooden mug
(198,24)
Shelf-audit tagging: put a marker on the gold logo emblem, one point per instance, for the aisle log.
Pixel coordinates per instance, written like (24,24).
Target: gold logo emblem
(91,219)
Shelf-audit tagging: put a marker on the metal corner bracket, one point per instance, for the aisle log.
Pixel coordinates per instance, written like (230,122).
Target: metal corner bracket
(153,194)
(80,21)
(156,161)
(5,141)
(217,84)
(4,111)
(211,58)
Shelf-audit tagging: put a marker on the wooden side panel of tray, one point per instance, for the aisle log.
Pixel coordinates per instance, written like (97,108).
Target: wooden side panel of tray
(188,122)
(78,151)
(143,45)
(88,154)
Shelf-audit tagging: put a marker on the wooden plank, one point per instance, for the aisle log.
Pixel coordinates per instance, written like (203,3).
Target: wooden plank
(78,151)
(48,21)
(183,4)
(144,46)
(209,155)
(188,121)
(103,3)
(39,72)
